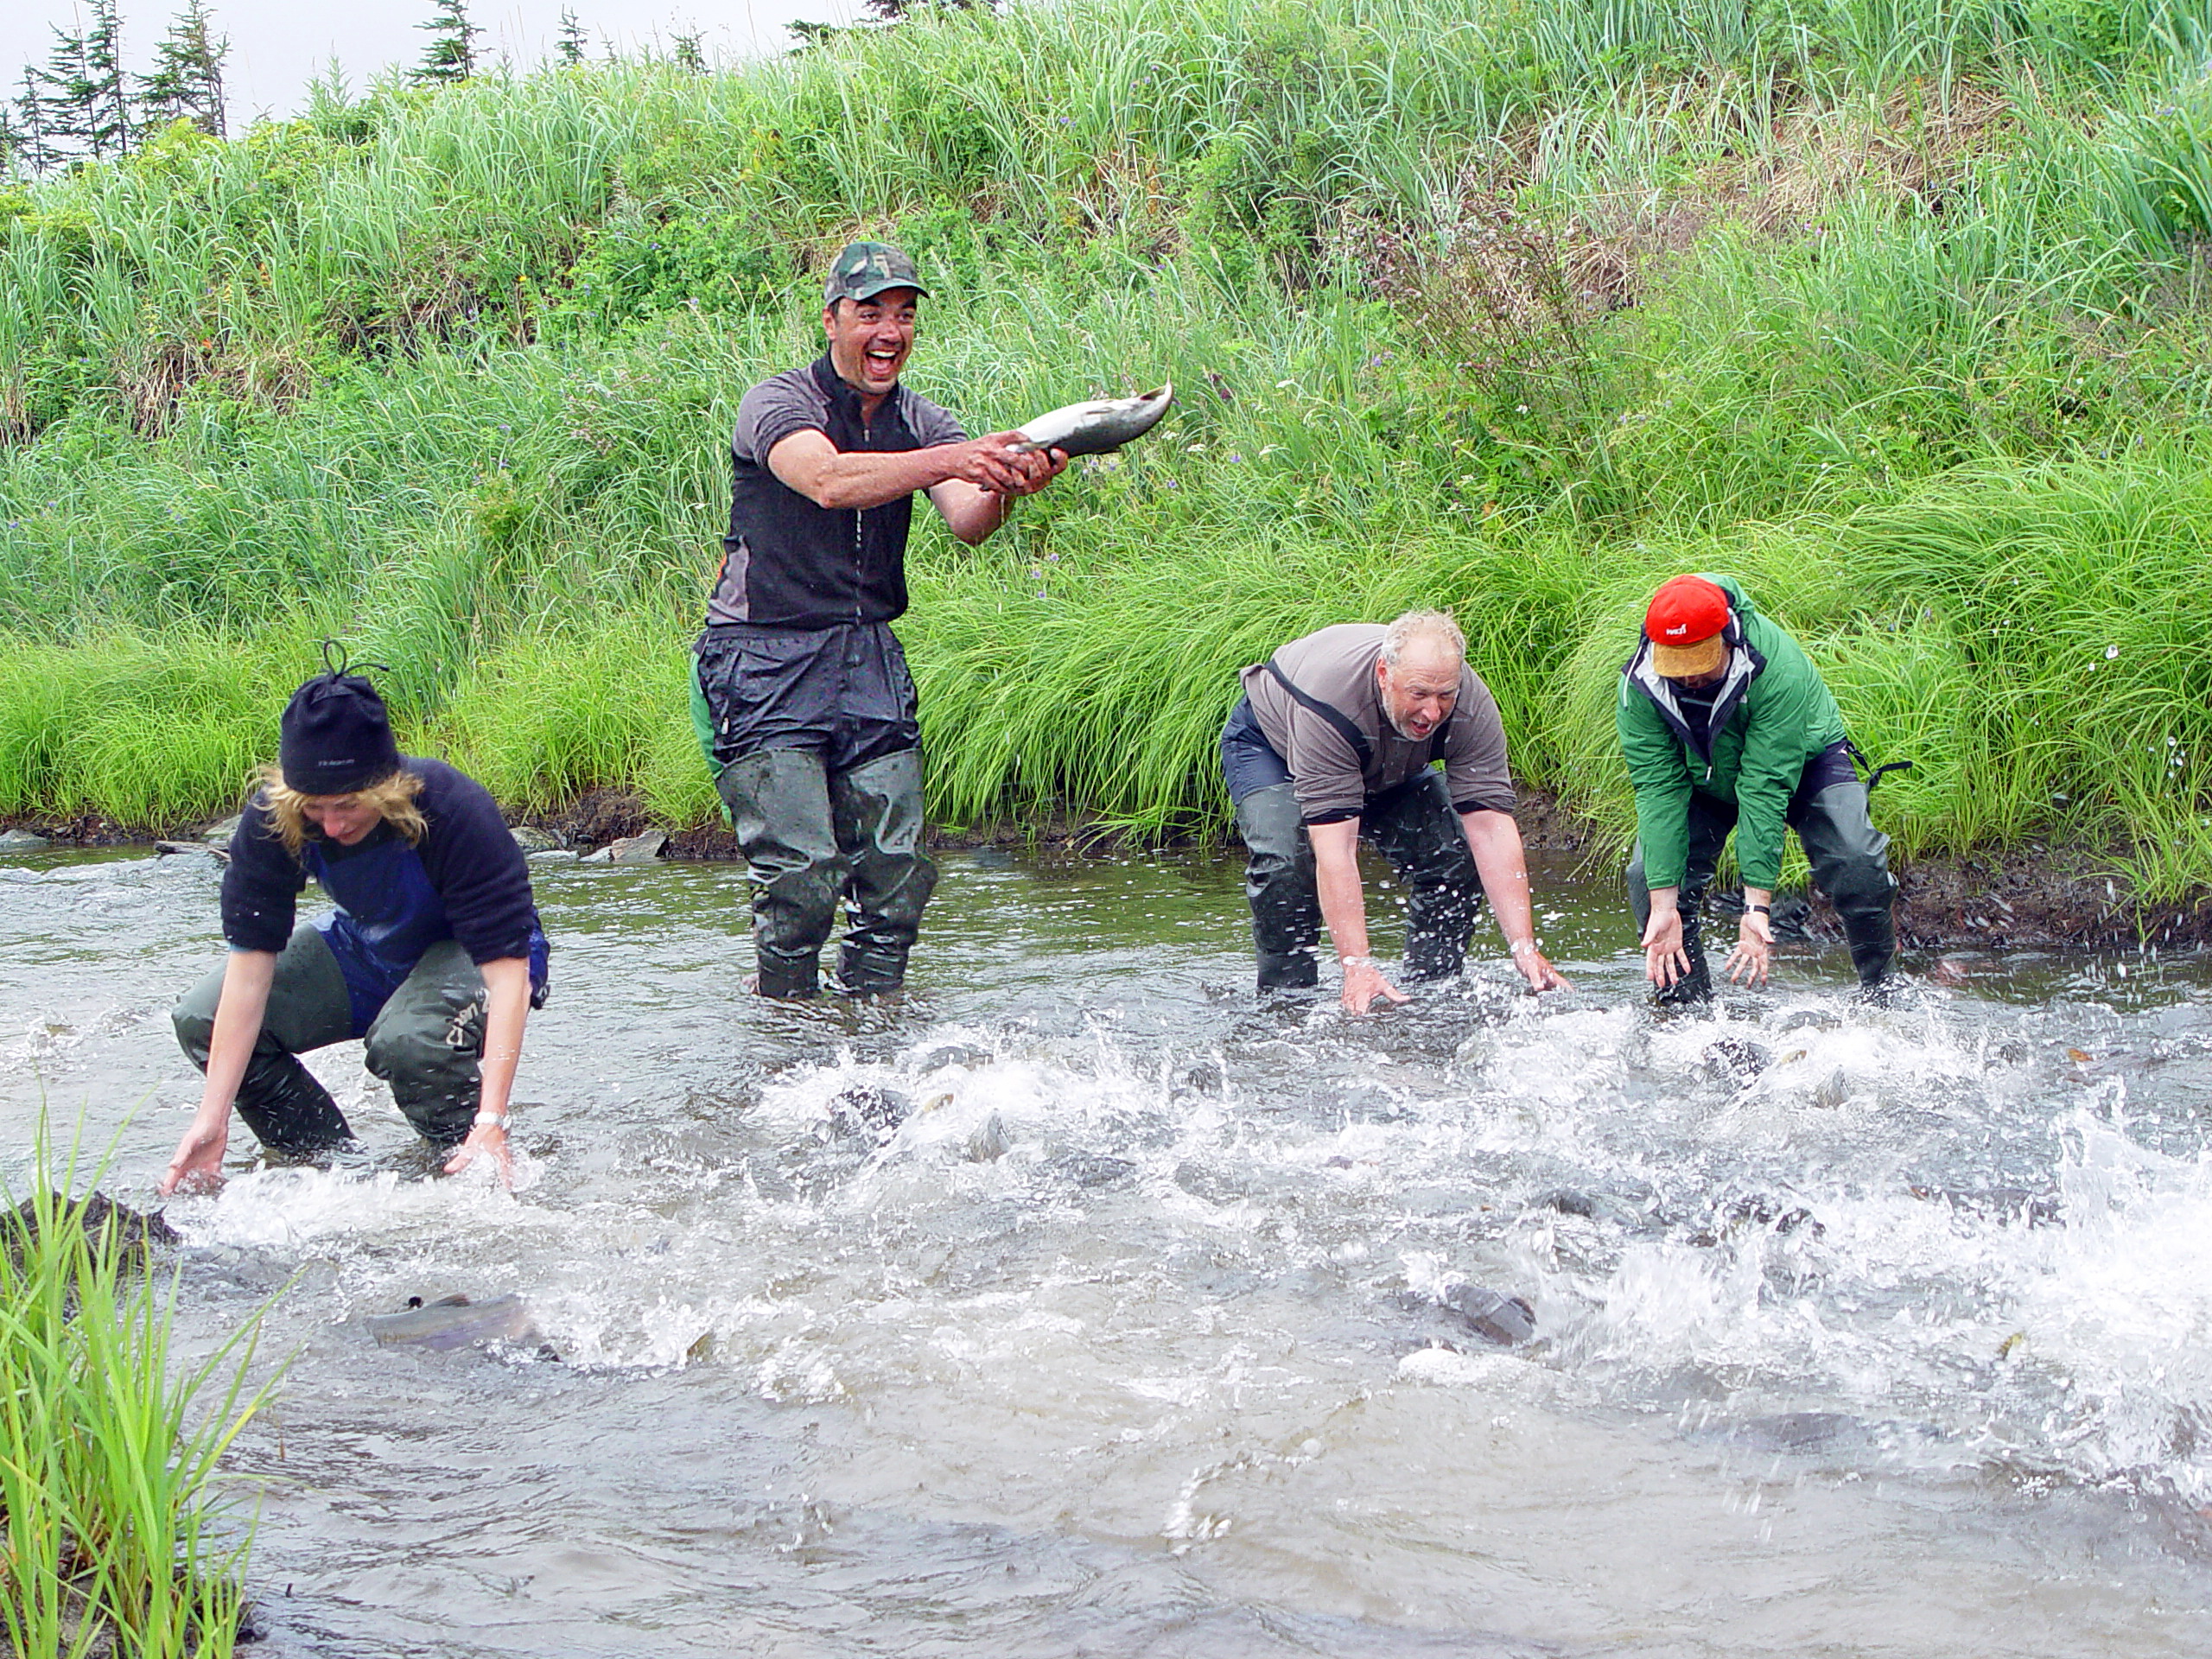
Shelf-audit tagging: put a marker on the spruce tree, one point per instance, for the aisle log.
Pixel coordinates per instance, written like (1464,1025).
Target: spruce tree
(33,153)
(891,11)
(451,55)
(571,43)
(187,84)
(690,56)
(59,101)
(107,106)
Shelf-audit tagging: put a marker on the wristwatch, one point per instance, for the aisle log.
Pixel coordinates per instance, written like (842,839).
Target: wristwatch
(491,1120)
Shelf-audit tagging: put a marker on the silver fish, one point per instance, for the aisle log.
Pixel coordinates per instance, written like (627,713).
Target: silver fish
(456,1322)
(1094,428)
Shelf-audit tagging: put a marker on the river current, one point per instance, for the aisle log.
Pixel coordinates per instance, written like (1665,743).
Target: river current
(1086,1304)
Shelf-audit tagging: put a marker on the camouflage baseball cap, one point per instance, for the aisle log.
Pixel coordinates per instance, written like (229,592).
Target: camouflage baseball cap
(866,269)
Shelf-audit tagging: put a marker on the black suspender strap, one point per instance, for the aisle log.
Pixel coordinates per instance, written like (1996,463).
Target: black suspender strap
(1329,712)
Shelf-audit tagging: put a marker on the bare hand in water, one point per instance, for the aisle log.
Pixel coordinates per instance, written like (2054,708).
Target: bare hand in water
(198,1165)
(484,1139)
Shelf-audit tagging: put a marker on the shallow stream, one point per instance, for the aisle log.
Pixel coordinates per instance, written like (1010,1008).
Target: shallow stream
(1859,1331)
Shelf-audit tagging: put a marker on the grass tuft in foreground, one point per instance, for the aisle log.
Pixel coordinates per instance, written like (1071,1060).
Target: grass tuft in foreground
(114,1543)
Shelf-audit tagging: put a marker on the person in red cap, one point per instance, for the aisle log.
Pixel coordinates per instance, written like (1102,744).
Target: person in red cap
(1727,726)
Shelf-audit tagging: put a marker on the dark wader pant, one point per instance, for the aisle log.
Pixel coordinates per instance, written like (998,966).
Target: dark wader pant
(1414,828)
(813,834)
(1849,856)
(814,741)
(425,1042)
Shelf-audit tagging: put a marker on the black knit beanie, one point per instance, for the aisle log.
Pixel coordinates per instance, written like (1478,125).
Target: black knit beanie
(335,736)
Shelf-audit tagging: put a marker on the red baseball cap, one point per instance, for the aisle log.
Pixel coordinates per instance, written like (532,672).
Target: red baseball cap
(1684,625)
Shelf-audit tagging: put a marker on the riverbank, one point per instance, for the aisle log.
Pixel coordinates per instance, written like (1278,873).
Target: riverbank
(1466,308)
(2038,898)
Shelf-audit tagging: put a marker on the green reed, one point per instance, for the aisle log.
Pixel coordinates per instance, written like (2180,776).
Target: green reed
(116,1540)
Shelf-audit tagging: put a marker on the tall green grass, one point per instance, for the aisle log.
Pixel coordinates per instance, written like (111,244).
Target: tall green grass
(1509,306)
(114,1541)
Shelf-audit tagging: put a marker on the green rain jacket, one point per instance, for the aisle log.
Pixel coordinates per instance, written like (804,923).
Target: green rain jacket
(1773,714)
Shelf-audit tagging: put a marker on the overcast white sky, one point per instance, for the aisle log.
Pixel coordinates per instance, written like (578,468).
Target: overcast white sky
(278,45)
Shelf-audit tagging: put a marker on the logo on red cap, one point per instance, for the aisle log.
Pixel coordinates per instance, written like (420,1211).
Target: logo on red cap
(1685,610)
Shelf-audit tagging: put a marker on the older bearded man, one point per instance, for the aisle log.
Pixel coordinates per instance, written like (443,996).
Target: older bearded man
(1336,736)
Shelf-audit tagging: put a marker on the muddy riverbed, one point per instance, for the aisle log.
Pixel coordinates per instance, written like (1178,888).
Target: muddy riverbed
(1085,1304)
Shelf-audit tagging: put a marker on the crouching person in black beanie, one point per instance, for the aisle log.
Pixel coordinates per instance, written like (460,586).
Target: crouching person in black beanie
(434,954)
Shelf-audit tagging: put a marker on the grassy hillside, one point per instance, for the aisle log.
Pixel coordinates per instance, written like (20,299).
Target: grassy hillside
(1896,309)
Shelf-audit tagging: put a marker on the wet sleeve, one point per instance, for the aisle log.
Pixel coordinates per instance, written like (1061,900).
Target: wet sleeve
(479,872)
(261,885)
(1475,766)
(1661,777)
(770,412)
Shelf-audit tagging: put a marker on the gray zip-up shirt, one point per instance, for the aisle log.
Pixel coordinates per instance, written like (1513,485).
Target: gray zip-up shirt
(1319,708)
(789,563)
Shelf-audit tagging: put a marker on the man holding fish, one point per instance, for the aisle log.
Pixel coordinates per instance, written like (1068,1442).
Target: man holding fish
(801,694)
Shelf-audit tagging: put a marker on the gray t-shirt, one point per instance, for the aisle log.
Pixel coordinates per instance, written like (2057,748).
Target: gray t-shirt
(1329,727)
(794,401)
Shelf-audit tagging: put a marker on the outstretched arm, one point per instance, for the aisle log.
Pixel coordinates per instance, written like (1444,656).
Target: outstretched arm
(198,1165)
(506,985)
(1495,840)
(830,477)
(1343,911)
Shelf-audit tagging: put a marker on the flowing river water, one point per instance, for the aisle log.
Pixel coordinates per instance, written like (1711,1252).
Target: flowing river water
(1859,1331)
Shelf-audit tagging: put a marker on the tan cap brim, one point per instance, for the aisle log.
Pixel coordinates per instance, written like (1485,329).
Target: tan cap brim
(1688,661)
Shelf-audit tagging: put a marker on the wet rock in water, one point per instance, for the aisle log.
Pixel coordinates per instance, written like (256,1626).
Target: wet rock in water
(531,839)
(1568,1202)
(868,1109)
(23,841)
(166,849)
(965,1054)
(1491,1314)
(102,1218)
(631,849)
(223,828)
(1734,1059)
(456,1322)
(1833,1091)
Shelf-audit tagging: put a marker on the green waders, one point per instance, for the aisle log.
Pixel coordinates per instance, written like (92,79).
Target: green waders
(426,1042)
(813,835)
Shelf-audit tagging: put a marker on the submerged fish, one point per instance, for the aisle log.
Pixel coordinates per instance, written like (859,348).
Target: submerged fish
(456,1322)
(1491,1314)
(1096,427)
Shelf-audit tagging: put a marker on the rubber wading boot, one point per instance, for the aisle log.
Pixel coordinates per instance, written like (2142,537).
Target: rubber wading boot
(870,969)
(1873,938)
(784,974)
(1696,985)
(1289,970)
